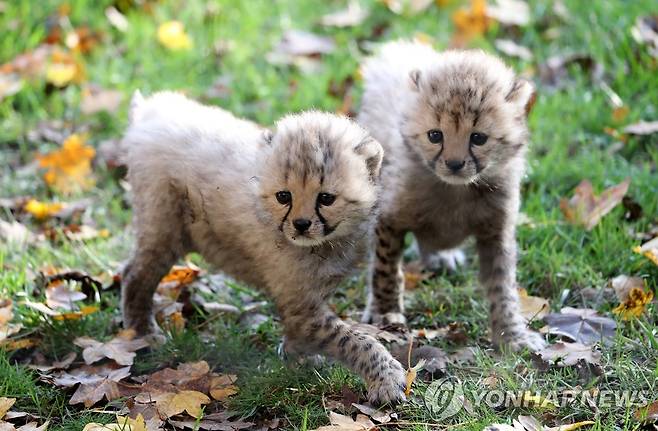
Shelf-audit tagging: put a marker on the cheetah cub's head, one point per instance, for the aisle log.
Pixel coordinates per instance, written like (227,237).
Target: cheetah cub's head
(320,179)
(467,116)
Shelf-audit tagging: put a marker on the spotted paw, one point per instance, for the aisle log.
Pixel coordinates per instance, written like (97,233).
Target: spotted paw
(519,340)
(388,387)
(450,260)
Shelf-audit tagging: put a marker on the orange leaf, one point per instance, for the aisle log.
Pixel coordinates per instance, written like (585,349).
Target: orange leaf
(69,168)
(470,22)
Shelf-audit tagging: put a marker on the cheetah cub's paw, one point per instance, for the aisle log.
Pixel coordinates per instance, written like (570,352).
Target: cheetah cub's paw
(295,352)
(444,259)
(376,318)
(388,387)
(518,340)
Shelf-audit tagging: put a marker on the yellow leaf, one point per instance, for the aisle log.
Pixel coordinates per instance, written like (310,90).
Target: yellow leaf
(76,315)
(634,305)
(181,274)
(175,322)
(412,372)
(122,424)
(649,250)
(471,22)
(171,35)
(171,404)
(64,69)
(68,169)
(42,210)
(23,343)
(537,401)
(533,307)
(5,405)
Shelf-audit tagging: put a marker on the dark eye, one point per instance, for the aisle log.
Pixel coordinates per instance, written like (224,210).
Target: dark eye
(478,138)
(283,197)
(326,199)
(435,136)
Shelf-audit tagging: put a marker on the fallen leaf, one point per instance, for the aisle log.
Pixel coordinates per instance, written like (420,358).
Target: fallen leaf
(172,35)
(64,363)
(43,210)
(381,416)
(509,12)
(529,423)
(64,69)
(645,31)
(649,250)
(121,424)
(534,400)
(214,421)
(346,423)
(5,405)
(82,39)
(10,84)
(117,19)
(171,404)
(513,49)
(470,22)
(96,99)
(16,233)
(61,296)
(6,315)
(181,275)
(407,7)
(642,128)
(623,284)
(533,307)
(585,209)
(222,386)
(121,348)
(302,49)
(76,315)
(568,354)
(584,325)
(555,71)
(95,383)
(68,169)
(412,372)
(352,16)
(648,413)
(634,305)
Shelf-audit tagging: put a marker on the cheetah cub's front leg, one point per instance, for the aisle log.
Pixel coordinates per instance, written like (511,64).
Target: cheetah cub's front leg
(386,283)
(498,276)
(320,330)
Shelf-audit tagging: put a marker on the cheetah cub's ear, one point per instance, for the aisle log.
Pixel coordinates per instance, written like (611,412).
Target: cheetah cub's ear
(522,94)
(373,153)
(414,80)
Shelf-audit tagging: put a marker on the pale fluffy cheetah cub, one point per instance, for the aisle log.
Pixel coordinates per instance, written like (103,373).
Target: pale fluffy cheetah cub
(453,126)
(289,212)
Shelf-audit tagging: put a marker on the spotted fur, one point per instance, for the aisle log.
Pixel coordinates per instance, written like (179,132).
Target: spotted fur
(206,181)
(411,89)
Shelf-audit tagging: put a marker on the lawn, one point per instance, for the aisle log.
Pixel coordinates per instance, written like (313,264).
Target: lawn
(577,126)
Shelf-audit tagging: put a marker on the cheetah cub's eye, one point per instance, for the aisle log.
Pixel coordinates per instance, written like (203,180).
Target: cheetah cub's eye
(283,197)
(435,136)
(478,138)
(326,199)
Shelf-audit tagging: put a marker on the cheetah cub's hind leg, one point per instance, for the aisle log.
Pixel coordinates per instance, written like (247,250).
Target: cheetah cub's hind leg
(386,282)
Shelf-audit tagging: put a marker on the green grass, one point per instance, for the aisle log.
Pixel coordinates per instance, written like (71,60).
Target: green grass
(556,261)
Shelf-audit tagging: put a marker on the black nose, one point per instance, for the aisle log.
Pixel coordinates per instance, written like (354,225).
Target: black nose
(455,165)
(301,224)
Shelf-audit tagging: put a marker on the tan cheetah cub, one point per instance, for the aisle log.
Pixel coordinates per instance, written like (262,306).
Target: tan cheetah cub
(289,212)
(453,127)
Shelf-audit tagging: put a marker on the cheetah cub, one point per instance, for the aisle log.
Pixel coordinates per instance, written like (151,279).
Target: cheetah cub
(453,126)
(289,212)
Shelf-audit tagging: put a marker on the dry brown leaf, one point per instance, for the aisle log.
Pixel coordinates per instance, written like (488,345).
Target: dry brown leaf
(68,170)
(648,413)
(381,416)
(121,348)
(121,424)
(302,49)
(5,405)
(622,285)
(61,296)
(214,421)
(222,386)
(645,31)
(16,233)
(171,404)
(6,314)
(585,209)
(96,383)
(582,325)
(96,99)
(513,49)
(533,307)
(642,128)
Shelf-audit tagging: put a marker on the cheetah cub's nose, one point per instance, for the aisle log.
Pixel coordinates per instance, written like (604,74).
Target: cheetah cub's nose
(301,224)
(455,165)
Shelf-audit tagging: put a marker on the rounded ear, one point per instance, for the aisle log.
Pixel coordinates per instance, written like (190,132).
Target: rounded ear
(522,94)
(414,79)
(136,103)
(373,153)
